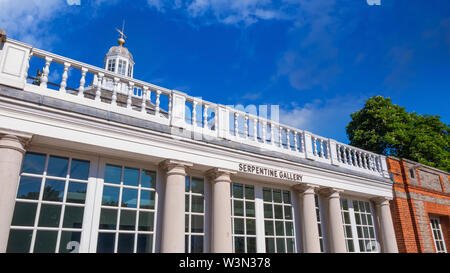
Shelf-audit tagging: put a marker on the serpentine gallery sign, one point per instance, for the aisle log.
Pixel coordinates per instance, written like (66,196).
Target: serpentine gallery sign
(246,168)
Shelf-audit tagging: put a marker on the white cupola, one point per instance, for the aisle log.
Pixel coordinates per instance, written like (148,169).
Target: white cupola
(118,59)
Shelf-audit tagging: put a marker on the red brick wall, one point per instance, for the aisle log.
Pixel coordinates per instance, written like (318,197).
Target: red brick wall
(410,224)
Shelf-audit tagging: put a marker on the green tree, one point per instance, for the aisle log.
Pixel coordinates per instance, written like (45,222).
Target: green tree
(388,129)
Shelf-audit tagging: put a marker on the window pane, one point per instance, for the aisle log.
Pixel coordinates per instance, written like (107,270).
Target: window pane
(79,169)
(270,245)
(277,196)
(287,212)
(289,229)
(197,185)
(286,197)
(145,221)
(108,219)
(144,243)
(147,199)
(54,190)
(45,241)
(279,228)
(33,163)
(197,204)
(50,215)
(187,183)
(268,227)
(238,191)
(186,203)
(131,177)
(24,214)
(238,226)
(197,223)
(278,211)
(73,217)
(126,243)
(268,211)
(57,166)
(113,174)
(19,241)
(250,209)
(238,208)
(129,198)
(148,179)
(267,195)
(251,227)
(69,242)
(29,188)
(110,196)
(251,245)
(127,220)
(280,245)
(249,192)
(290,245)
(105,242)
(76,193)
(239,245)
(196,244)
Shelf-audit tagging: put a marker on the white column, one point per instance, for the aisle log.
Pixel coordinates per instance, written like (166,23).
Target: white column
(335,226)
(310,230)
(11,155)
(386,225)
(174,207)
(222,240)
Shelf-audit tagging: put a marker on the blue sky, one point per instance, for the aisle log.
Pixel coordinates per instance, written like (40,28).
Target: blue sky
(319,60)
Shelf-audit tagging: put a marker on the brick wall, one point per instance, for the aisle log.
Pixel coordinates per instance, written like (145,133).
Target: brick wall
(416,198)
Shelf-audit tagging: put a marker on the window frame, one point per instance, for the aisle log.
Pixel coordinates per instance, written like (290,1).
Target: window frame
(189,213)
(88,205)
(437,230)
(245,235)
(95,229)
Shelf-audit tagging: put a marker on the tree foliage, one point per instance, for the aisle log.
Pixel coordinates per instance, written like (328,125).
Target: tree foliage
(388,129)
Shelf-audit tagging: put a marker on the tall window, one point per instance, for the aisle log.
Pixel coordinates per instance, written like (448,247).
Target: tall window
(194,214)
(129,70)
(50,204)
(437,235)
(359,228)
(278,221)
(112,65)
(243,218)
(122,67)
(319,223)
(127,210)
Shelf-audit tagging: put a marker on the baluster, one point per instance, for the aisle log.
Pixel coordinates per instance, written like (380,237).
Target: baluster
(115,88)
(344,150)
(364,162)
(63,84)
(255,129)
(236,129)
(169,96)
(295,141)
(158,94)
(264,128)
(44,77)
(205,117)
(246,126)
(359,159)
(280,136)
(272,134)
(321,148)
(315,146)
(27,65)
(194,113)
(288,142)
(130,92)
(373,162)
(98,92)
(338,152)
(144,98)
(82,82)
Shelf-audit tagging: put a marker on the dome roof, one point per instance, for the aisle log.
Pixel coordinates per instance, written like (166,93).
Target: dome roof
(120,50)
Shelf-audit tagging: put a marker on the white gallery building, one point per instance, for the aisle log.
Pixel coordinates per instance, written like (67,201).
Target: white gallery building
(101,162)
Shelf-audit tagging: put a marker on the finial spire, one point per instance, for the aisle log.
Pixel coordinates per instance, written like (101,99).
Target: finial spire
(121,40)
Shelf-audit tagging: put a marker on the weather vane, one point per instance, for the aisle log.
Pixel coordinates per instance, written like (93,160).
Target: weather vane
(121,39)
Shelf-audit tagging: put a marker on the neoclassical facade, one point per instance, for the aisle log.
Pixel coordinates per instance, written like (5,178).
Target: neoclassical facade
(101,162)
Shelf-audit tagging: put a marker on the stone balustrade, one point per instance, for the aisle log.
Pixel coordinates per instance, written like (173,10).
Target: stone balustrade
(131,97)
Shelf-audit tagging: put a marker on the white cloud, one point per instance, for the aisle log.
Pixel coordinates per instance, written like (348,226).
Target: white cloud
(326,118)
(27,20)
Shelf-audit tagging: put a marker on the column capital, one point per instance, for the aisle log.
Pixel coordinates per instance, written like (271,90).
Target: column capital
(305,188)
(219,174)
(381,200)
(330,192)
(15,142)
(173,166)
